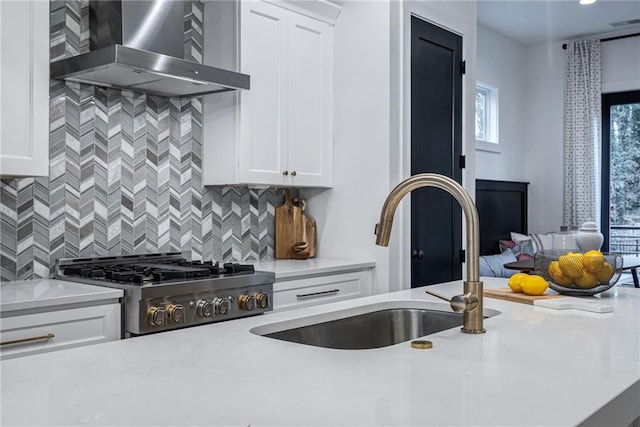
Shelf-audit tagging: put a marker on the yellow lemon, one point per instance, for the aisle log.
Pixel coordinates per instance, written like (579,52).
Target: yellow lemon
(557,275)
(571,265)
(587,280)
(605,273)
(592,261)
(515,280)
(534,285)
(594,252)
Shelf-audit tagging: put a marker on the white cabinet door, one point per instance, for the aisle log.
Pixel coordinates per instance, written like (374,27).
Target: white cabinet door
(309,91)
(263,108)
(24,88)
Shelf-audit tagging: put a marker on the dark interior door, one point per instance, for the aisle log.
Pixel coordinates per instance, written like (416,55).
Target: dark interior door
(436,146)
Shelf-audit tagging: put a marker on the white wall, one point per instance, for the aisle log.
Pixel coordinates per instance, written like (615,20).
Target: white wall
(543,134)
(544,124)
(501,63)
(371,123)
(347,213)
(371,119)
(458,17)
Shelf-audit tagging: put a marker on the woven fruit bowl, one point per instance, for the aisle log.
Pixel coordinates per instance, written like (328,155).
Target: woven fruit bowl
(578,274)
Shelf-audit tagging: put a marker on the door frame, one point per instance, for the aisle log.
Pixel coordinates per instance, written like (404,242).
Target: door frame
(455,20)
(608,100)
(438,39)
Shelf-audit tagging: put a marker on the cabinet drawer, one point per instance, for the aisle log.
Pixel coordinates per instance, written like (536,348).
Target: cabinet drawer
(55,330)
(319,290)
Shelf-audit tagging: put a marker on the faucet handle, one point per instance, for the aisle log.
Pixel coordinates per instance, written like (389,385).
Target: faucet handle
(464,303)
(437,295)
(459,303)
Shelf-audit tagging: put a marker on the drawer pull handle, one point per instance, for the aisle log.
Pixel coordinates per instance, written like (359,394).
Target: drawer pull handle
(23,340)
(318,294)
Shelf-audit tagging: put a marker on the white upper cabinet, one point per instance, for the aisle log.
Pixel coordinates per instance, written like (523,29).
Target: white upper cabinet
(278,133)
(24,88)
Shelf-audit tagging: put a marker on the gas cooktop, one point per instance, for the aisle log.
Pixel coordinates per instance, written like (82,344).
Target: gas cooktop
(165,291)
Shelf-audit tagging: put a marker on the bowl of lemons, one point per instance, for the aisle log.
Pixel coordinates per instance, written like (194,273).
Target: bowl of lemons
(576,273)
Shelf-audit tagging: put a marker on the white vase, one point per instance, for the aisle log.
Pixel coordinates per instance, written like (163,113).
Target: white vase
(588,237)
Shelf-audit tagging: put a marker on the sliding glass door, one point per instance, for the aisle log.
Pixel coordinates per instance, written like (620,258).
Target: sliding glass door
(621,171)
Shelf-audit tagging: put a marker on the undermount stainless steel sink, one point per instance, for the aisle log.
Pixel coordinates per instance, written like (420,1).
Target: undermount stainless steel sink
(380,325)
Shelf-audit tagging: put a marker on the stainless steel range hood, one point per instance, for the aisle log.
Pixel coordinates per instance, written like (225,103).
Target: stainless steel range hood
(138,45)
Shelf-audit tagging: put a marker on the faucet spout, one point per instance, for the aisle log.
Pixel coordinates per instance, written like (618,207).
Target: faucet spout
(471,302)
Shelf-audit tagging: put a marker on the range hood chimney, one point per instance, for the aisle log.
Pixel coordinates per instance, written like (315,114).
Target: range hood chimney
(138,45)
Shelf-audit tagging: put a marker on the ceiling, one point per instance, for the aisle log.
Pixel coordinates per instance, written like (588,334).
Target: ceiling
(532,22)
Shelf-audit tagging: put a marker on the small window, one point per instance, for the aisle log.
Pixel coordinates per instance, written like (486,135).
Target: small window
(487,117)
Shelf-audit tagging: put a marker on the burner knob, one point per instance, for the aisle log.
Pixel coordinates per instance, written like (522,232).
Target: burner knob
(175,312)
(247,302)
(222,305)
(156,316)
(262,300)
(205,308)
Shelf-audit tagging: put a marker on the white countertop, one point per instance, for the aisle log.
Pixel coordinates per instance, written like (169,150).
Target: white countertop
(294,268)
(534,366)
(49,293)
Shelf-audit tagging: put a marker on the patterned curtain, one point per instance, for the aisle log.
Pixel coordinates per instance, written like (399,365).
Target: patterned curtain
(582,132)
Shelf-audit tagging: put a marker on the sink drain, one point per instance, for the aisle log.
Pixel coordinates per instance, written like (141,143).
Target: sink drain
(421,344)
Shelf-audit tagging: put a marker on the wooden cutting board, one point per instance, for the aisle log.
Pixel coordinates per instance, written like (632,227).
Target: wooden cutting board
(289,226)
(295,233)
(305,246)
(506,294)
(310,235)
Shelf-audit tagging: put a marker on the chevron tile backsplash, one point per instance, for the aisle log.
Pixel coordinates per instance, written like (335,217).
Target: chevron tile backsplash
(125,175)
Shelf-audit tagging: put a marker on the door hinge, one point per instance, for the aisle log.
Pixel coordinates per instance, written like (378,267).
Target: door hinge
(463,67)
(463,256)
(462,161)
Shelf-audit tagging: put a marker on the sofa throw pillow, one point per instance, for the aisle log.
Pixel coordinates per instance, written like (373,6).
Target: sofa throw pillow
(507,245)
(540,241)
(493,265)
(522,249)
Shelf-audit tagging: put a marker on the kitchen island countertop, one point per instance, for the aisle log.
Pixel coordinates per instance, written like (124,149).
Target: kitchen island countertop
(534,366)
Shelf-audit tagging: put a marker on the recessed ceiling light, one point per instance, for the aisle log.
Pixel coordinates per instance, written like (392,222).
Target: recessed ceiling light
(587,1)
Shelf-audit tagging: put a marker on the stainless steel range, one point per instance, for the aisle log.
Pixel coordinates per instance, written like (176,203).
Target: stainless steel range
(165,291)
